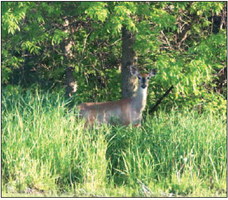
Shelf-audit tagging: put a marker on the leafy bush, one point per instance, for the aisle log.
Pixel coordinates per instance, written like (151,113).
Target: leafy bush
(185,41)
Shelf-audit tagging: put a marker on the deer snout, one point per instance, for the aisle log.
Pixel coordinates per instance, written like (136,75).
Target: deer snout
(144,83)
(143,86)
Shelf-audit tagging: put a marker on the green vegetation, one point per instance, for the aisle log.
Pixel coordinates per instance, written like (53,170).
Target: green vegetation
(47,152)
(184,41)
(181,148)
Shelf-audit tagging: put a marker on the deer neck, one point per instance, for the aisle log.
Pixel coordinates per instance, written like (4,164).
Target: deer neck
(139,100)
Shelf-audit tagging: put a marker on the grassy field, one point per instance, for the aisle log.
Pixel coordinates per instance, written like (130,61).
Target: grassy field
(47,152)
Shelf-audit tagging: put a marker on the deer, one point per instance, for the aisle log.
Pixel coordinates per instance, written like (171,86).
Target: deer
(125,111)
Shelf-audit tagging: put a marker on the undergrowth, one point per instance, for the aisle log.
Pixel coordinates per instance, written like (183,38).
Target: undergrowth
(46,151)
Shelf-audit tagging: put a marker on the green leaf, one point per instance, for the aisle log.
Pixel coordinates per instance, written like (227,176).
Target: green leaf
(58,36)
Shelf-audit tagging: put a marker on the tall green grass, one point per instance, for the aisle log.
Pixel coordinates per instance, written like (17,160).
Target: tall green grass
(46,151)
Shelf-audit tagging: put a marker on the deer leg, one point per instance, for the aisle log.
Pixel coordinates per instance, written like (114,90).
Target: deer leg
(137,125)
(90,120)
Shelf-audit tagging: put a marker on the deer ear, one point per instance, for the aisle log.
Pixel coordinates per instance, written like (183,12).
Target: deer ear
(134,71)
(152,72)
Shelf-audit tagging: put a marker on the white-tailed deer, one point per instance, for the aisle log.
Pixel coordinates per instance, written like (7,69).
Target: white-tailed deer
(125,111)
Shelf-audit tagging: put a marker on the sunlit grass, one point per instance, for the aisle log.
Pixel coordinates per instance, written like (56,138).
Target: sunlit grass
(47,152)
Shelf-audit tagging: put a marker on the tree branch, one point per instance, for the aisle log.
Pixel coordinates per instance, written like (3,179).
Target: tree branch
(154,108)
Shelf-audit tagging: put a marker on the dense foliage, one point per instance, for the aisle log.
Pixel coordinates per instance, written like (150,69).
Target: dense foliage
(47,152)
(185,41)
(45,148)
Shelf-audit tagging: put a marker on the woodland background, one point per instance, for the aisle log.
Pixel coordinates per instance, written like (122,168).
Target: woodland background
(59,54)
(184,41)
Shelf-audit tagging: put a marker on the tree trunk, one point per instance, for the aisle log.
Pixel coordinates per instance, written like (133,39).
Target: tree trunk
(128,58)
(71,85)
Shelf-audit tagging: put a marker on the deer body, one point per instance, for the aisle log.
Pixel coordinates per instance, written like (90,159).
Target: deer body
(125,111)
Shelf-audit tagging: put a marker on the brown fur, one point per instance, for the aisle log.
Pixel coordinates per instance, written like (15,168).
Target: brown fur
(93,109)
(126,111)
